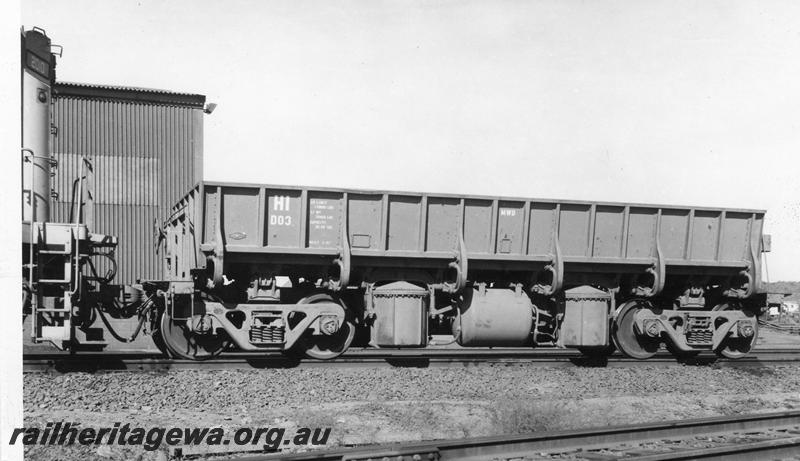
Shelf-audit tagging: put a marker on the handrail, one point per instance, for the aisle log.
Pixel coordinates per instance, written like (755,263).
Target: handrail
(34,295)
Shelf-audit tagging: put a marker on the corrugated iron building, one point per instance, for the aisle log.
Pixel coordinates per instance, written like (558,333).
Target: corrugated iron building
(147,150)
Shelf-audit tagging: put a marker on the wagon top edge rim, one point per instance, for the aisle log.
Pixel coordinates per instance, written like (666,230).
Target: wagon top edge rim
(268,186)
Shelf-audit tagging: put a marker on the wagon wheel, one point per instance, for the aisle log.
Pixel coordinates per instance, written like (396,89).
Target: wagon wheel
(158,341)
(625,337)
(325,347)
(736,348)
(181,341)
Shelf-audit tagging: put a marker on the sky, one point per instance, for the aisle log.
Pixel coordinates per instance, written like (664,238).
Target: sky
(667,102)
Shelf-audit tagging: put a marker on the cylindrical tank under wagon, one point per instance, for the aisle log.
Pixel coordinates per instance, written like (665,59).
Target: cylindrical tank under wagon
(315,270)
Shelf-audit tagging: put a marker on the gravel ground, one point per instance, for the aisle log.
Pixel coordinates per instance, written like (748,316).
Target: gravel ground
(394,404)
(364,405)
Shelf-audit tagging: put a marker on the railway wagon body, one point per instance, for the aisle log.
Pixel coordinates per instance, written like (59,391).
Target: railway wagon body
(315,270)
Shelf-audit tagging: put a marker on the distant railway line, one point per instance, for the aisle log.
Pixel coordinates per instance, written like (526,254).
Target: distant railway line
(790,328)
(454,358)
(738,437)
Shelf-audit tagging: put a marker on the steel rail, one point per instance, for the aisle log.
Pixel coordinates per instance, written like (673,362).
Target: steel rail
(739,452)
(584,441)
(793,328)
(371,358)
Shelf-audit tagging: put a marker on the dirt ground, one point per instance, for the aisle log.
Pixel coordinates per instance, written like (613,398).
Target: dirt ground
(364,406)
(368,422)
(376,418)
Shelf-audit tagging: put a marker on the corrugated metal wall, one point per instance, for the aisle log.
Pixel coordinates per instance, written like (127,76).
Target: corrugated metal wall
(146,155)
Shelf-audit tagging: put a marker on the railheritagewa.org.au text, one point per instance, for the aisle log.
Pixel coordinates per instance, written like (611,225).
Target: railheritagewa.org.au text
(70,433)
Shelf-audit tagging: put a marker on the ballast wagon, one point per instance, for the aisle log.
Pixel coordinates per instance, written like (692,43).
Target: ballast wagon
(314,271)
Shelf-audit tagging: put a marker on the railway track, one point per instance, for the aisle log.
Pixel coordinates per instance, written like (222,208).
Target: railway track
(790,328)
(739,437)
(139,362)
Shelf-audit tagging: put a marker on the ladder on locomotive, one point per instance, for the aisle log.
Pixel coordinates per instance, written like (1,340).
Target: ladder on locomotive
(54,265)
(53,282)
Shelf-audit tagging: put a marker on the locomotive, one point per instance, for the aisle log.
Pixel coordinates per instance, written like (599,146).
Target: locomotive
(310,271)
(60,283)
